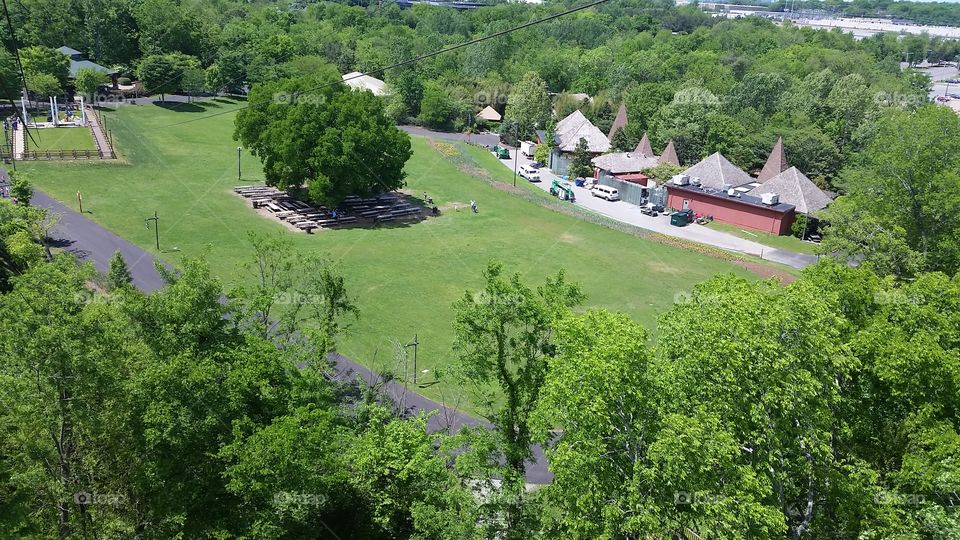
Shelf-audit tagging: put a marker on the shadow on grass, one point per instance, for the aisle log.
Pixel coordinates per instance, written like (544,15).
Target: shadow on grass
(180,106)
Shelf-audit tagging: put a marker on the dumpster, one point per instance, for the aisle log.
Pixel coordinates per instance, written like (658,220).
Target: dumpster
(681,218)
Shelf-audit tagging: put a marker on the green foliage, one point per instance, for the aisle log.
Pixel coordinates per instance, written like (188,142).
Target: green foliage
(580,164)
(902,211)
(529,105)
(160,74)
(40,60)
(21,190)
(503,341)
(193,81)
(87,80)
(118,274)
(663,172)
(43,86)
(436,107)
(621,142)
(541,154)
(337,141)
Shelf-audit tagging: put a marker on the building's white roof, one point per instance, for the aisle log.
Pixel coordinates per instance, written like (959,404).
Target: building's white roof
(716,172)
(574,127)
(359,81)
(625,162)
(489,113)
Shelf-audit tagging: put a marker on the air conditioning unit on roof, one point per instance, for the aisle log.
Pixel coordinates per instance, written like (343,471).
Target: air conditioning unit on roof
(770,198)
(681,180)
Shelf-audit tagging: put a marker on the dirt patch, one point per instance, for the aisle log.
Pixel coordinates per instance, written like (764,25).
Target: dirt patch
(266,214)
(570,238)
(662,267)
(767,272)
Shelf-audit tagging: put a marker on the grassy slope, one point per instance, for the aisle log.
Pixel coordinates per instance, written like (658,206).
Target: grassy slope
(404,278)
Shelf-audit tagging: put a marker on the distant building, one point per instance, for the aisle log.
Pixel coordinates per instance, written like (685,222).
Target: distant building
(567,135)
(717,187)
(78,62)
(489,114)
(359,81)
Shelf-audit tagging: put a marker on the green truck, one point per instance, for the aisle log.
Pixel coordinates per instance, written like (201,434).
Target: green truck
(681,218)
(562,190)
(501,152)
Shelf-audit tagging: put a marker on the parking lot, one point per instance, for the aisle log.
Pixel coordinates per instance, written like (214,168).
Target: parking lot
(630,213)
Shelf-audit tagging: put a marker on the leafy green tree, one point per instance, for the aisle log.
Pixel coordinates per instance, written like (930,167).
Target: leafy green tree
(87,80)
(337,141)
(529,104)
(902,211)
(21,190)
(118,275)
(193,81)
(436,107)
(580,164)
(621,142)
(9,77)
(541,154)
(663,172)
(503,341)
(160,75)
(40,60)
(43,86)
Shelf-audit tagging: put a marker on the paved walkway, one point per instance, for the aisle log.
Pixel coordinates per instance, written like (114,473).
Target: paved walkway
(18,141)
(90,242)
(630,213)
(103,143)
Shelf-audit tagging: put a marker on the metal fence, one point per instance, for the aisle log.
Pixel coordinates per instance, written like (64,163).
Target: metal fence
(53,155)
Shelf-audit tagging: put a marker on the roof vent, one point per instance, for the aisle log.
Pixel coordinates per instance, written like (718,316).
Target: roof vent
(732,192)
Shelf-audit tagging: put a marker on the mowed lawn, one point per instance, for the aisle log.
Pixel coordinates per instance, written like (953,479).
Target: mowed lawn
(404,278)
(62,138)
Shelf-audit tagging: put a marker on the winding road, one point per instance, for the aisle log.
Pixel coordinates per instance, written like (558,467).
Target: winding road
(89,242)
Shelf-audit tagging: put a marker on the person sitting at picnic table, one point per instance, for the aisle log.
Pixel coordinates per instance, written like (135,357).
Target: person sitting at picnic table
(333,213)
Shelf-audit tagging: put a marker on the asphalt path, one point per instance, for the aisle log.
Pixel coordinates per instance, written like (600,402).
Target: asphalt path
(89,242)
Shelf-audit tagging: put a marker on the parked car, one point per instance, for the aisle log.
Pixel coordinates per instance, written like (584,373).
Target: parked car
(954,96)
(953,81)
(529,173)
(605,192)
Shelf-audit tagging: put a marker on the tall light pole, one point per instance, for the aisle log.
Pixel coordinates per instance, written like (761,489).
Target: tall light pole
(239,148)
(413,344)
(156,227)
(516,154)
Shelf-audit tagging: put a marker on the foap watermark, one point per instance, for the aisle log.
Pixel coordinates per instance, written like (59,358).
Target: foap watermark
(87,296)
(491,97)
(297,299)
(293,498)
(898,99)
(86,498)
(299,98)
(683,498)
(893,298)
(889,498)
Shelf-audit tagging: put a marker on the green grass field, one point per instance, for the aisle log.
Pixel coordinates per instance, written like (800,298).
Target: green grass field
(790,243)
(62,138)
(404,278)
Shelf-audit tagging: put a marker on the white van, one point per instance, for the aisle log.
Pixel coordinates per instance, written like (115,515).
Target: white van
(529,173)
(605,192)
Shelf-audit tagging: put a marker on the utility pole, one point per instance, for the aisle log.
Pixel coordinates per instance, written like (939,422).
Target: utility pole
(156,227)
(516,156)
(414,344)
(239,148)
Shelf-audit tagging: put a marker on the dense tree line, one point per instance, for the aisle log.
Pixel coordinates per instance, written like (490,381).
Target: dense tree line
(711,85)
(823,408)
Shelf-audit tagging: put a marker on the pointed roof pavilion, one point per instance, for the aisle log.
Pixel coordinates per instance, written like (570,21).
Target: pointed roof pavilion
(644,147)
(776,162)
(669,154)
(716,172)
(794,188)
(619,122)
